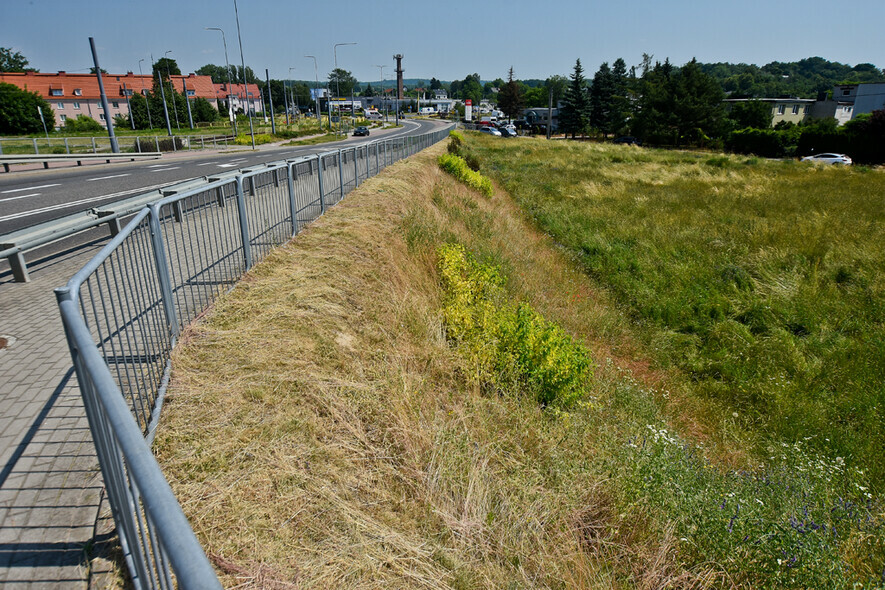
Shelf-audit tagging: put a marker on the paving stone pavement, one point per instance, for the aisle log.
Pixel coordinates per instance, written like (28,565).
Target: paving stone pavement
(50,484)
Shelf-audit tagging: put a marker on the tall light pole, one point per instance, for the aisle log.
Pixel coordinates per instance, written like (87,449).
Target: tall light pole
(245,83)
(292,96)
(230,114)
(163,94)
(172,86)
(337,86)
(316,88)
(146,103)
(285,103)
(382,90)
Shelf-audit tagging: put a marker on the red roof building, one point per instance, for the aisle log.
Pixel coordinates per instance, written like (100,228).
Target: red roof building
(70,95)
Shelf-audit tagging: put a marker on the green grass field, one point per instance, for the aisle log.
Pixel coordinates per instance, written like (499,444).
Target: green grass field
(760,281)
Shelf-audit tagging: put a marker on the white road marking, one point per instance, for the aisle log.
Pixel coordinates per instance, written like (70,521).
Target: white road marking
(20,197)
(226,165)
(30,188)
(157,165)
(206,164)
(165,169)
(106,177)
(143,189)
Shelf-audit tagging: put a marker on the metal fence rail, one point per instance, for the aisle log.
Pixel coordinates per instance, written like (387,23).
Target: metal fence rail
(123,311)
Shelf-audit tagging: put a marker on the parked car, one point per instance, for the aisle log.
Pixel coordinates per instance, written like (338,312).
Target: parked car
(829,159)
(490,131)
(361,131)
(508,131)
(627,140)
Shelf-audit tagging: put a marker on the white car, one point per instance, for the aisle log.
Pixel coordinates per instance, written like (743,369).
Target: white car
(828,159)
(490,131)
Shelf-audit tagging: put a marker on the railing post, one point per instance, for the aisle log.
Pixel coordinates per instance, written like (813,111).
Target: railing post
(36,149)
(320,176)
(157,141)
(244,223)
(356,167)
(340,176)
(163,269)
(290,177)
(94,148)
(377,161)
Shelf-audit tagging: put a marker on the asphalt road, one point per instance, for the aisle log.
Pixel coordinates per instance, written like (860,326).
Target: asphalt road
(35,196)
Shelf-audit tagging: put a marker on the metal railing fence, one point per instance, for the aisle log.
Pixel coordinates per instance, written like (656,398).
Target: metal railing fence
(123,311)
(102,144)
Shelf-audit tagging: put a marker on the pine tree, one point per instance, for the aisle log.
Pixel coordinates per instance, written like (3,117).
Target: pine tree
(510,97)
(601,97)
(575,112)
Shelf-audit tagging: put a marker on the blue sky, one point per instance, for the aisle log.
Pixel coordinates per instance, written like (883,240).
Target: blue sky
(449,42)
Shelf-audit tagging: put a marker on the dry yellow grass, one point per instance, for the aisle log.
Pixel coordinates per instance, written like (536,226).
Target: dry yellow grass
(320,433)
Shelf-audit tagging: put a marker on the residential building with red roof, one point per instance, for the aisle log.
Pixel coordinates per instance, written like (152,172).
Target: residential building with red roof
(70,95)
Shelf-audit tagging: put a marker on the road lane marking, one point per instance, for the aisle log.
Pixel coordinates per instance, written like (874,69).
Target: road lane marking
(143,189)
(226,165)
(20,197)
(30,188)
(106,177)
(206,164)
(165,169)
(157,165)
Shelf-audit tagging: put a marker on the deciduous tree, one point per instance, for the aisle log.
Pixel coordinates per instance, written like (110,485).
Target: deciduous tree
(18,111)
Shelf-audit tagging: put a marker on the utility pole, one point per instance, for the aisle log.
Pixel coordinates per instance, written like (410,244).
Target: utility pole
(172,86)
(316,89)
(146,102)
(126,93)
(550,113)
(230,111)
(163,94)
(382,92)
(104,101)
(273,121)
(245,83)
(187,101)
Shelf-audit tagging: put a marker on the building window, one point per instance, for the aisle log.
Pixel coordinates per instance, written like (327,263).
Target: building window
(63,118)
(190,92)
(60,105)
(846,91)
(115,104)
(780,109)
(795,109)
(78,92)
(101,116)
(76,105)
(56,92)
(807,109)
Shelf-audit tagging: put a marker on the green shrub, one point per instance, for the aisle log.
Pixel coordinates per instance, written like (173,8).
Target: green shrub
(509,344)
(457,167)
(83,123)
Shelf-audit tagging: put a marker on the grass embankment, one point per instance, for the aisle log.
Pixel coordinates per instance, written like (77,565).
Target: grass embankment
(761,281)
(327,426)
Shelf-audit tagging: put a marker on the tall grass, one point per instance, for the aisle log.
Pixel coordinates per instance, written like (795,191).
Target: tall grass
(761,281)
(323,428)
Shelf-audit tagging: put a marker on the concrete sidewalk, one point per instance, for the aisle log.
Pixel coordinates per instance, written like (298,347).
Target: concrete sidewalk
(50,485)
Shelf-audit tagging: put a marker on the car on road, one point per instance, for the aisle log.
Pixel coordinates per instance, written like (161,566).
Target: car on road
(829,158)
(361,131)
(508,131)
(490,131)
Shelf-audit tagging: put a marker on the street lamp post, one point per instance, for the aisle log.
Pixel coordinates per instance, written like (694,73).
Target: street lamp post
(233,119)
(337,86)
(316,89)
(382,91)
(245,83)
(171,85)
(292,96)
(146,103)
(286,103)
(163,94)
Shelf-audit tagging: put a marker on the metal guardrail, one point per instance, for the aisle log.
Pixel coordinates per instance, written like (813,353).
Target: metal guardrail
(14,245)
(123,312)
(100,145)
(45,159)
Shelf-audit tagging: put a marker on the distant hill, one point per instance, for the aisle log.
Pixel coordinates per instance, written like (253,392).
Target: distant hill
(805,78)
